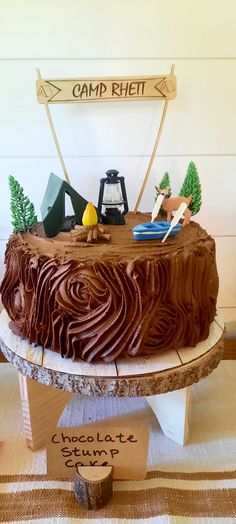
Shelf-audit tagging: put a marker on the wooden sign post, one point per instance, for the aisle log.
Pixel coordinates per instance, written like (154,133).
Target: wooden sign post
(75,90)
(49,116)
(154,150)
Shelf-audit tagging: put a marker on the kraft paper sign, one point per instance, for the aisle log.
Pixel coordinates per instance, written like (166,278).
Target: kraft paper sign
(124,448)
(106,89)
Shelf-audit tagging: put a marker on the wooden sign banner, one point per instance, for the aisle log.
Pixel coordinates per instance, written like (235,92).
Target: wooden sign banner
(106,89)
(123,448)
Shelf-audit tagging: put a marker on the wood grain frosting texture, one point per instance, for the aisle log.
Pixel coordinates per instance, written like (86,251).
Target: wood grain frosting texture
(102,301)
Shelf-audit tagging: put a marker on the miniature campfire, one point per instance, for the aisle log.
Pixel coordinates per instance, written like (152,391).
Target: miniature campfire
(90,231)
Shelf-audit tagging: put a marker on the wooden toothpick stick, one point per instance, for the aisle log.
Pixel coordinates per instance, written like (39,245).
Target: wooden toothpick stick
(154,149)
(55,137)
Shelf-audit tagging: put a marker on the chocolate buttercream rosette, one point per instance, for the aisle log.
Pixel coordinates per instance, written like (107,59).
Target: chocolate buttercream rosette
(16,287)
(100,303)
(103,311)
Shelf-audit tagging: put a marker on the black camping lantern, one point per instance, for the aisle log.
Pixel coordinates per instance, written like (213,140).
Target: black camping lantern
(112,197)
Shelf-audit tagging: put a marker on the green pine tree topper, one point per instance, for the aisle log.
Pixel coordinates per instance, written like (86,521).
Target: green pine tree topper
(23,213)
(192,186)
(164,183)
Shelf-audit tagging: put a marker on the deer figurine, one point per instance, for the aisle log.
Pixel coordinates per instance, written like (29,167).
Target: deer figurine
(172,204)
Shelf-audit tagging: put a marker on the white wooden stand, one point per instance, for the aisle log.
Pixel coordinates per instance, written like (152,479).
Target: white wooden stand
(42,406)
(164,380)
(41,409)
(172,411)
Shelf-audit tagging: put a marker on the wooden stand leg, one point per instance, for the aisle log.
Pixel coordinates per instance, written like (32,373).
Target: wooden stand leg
(172,411)
(41,409)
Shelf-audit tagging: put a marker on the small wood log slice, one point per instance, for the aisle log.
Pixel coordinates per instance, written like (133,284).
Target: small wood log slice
(93,486)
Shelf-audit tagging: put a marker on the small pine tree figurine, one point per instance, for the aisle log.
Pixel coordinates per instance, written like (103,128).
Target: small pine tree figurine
(23,213)
(165,182)
(192,186)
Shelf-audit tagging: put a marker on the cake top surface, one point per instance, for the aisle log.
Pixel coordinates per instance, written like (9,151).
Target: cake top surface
(122,246)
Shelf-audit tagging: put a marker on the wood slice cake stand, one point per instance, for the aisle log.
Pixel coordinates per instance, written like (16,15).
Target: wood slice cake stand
(164,380)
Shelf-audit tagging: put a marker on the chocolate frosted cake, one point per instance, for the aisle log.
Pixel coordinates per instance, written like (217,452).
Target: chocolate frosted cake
(105,300)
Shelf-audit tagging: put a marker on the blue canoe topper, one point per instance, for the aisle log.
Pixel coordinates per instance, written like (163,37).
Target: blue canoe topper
(154,230)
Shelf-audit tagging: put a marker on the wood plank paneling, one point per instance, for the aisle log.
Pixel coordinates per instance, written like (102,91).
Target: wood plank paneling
(229,351)
(126,38)
(161,362)
(54,361)
(229,316)
(200,121)
(226,256)
(130,28)
(2,254)
(217,216)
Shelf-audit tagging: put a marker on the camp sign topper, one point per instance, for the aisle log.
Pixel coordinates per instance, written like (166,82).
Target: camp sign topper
(125,448)
(106,89)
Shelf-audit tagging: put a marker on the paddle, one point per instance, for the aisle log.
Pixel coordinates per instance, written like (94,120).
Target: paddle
(176,219)
(157,206)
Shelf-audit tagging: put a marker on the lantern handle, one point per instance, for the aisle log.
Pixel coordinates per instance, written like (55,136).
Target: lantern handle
(112,172)
(124,195)
(101,192)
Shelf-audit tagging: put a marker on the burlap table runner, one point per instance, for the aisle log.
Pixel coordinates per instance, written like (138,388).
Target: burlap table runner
(194,484)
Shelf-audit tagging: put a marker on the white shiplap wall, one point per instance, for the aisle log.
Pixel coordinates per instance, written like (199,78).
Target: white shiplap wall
(129,37)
